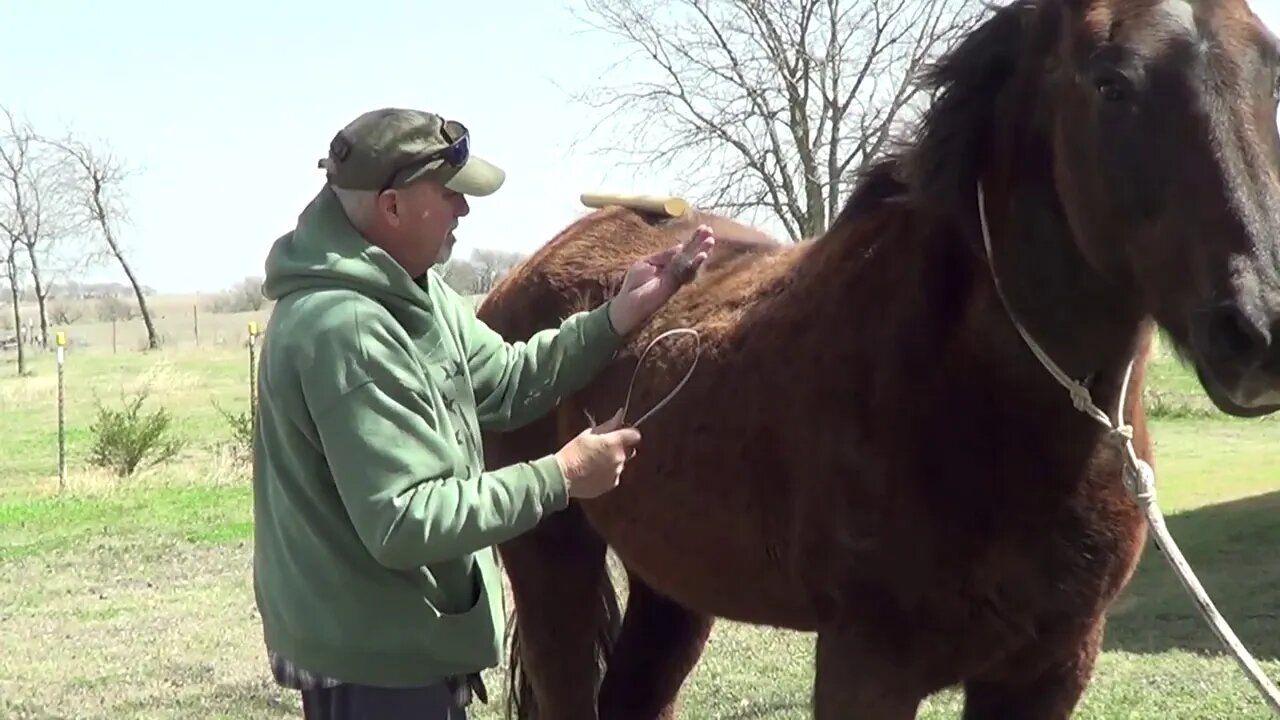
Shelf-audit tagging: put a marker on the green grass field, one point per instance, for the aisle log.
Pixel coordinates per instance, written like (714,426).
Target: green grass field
(131,598)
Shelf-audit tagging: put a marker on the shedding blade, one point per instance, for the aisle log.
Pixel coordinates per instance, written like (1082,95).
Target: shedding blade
(668,205)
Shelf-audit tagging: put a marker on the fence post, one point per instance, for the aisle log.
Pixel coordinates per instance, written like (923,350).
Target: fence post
(60,339)
(253,367)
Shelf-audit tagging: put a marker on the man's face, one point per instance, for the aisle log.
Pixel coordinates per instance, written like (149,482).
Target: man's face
(426,214)
(446,249)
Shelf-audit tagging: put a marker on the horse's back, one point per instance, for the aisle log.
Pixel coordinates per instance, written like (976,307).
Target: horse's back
(583,265)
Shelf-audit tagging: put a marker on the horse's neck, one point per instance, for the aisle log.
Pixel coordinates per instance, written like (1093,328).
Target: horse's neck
(927,301)
(1086,323)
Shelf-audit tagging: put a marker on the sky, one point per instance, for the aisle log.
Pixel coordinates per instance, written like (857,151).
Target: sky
(224,109)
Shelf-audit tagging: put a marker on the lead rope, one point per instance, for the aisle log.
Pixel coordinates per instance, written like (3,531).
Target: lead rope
(1140,481)
(636,373)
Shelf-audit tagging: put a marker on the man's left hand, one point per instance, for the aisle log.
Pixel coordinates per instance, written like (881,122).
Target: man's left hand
(652,281)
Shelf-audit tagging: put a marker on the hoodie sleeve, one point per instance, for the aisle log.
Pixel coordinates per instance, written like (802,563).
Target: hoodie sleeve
(517,382)
(402,483)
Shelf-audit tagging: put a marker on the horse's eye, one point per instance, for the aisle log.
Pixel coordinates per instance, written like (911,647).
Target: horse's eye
(1109,86)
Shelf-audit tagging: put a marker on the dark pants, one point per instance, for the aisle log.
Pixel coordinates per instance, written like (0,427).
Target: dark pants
(362,702)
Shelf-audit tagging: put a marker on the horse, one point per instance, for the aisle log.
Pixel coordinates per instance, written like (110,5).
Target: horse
(870,449)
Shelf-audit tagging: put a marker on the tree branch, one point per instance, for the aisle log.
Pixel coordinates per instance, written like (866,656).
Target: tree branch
(766,105)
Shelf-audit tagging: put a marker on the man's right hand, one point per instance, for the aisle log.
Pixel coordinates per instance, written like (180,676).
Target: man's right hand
(592,462)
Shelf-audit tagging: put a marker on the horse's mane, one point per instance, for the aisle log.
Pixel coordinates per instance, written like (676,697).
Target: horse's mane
(974,99)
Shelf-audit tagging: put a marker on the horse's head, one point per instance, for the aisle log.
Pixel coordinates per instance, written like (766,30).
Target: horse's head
(1166,160)
(1144,132)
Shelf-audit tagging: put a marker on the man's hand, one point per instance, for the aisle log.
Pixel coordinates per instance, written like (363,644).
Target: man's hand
(592,462)
(652,281)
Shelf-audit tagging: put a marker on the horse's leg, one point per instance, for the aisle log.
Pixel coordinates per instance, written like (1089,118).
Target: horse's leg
(566,616)
(1049,694)
(658,646)
(854,680)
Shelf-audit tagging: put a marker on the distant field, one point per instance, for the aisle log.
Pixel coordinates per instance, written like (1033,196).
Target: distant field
(180,321)
(131,598)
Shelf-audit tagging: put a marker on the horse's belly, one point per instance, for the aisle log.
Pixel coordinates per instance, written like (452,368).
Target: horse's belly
(720,561)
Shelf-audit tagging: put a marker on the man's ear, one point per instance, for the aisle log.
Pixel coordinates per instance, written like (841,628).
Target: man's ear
(388,203)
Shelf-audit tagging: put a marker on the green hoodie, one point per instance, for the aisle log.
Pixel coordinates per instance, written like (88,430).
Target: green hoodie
(373,517)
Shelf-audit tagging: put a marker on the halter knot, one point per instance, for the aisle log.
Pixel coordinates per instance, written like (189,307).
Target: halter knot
(1140,481)
(1121,434)
(1080,397)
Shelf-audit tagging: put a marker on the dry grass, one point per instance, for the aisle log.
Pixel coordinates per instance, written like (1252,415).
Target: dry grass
(134,627)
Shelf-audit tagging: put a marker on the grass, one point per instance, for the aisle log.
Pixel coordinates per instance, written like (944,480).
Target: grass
(132,598)
(190,382)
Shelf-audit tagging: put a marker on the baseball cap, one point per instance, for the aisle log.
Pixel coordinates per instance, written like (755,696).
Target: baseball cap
(393,147)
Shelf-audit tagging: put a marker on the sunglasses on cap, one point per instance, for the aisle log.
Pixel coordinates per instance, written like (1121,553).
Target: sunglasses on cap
(455,154)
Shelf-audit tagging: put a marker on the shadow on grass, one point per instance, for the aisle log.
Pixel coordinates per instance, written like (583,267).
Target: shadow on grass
(1232,547)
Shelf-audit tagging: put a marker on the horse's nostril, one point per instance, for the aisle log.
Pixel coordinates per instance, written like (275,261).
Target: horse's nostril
(1234,338)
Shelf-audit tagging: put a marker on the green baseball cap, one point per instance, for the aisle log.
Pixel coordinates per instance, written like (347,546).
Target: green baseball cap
(393,147)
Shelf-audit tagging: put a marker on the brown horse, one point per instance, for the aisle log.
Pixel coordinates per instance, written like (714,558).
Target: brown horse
(868,449)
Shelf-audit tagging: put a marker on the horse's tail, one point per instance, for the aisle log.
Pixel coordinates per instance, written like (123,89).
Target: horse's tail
(521,704)
(520,701)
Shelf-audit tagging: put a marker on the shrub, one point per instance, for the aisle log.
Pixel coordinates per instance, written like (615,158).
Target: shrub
(1173,405)
(241,425)
(113,308)
(63,313)
(125,438)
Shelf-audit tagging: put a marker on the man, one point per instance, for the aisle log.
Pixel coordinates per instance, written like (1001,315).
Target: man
(374,571)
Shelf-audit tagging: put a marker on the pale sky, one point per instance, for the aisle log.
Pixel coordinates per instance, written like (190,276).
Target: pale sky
(225,108)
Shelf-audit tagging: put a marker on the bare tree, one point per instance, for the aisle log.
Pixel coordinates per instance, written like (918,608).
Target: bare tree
(490,265)
(100,179)
(772,104)
(34,208)
(13,272)
(461,275)
(244,296)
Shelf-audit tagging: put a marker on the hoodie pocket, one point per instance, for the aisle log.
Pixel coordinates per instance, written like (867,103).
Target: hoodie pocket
(471,640)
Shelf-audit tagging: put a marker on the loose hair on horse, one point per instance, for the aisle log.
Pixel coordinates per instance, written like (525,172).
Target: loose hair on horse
(869,450)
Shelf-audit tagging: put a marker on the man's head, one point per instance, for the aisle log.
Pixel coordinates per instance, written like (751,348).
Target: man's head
(403,176)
